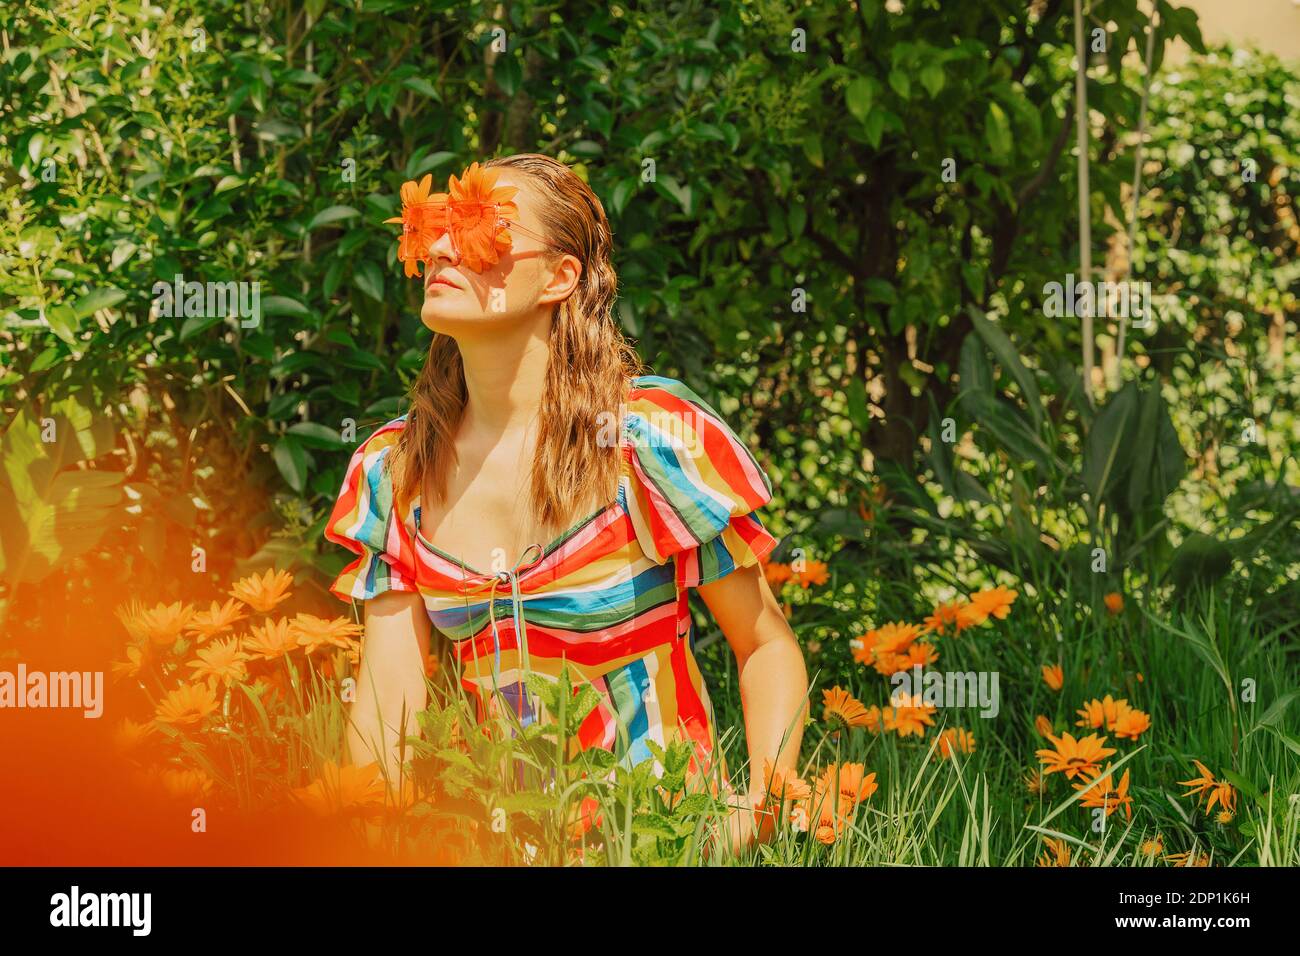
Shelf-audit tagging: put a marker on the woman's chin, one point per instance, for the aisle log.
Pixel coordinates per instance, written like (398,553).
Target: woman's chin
(450,322)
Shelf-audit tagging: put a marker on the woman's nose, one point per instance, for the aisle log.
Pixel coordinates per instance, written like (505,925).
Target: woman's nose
(444,249)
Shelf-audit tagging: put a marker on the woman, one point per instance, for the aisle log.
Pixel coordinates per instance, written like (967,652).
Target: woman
(542,502)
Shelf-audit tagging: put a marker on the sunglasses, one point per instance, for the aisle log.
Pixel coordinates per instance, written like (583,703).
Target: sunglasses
(479,218)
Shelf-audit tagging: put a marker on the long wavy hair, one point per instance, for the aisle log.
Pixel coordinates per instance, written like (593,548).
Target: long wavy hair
(590,367)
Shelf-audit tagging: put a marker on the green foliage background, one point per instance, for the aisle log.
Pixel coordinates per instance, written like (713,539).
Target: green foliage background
(797,154)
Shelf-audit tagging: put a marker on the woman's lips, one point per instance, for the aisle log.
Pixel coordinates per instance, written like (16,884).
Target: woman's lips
(438,280)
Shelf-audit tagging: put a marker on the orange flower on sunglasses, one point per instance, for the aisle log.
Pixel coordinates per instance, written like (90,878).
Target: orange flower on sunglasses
(474,210)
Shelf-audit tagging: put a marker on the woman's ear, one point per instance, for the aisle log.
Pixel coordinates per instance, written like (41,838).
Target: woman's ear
(564,280)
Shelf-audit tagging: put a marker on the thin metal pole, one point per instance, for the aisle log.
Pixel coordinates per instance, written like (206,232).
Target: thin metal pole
(1085,224)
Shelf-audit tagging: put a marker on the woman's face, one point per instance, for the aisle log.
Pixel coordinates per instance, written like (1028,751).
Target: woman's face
(461,302)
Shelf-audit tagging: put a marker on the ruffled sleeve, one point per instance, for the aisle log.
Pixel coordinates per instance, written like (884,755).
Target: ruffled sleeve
(694,485)
(366,522)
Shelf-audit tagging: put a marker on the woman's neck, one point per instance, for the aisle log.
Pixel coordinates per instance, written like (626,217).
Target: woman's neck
(505,374)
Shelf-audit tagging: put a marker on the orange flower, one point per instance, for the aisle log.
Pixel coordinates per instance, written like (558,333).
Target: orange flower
(1074,758)
(873,719)
(994,602)
(968,615)
(842,711)
(776,573)
(944,615)
(896,638)
(863,647)
(908,715)
(128,736)
(866,499)
(221,661)
(1153,847)
(1217,791)
(784,783)
(271,640)
(850,781)
(814,572)
(781,784)
(131,666)
(423,215)
(1189,858)
(484,239)
(1102,713)
(920,654)
(473,208)
(1058,853)
(1199,784)
(1053,676)
(1131,724)
(339,790)
(131,616)
(314,632)
(187,704)
(955,739)
(217,618)
(1114,602)
(835,796)
(262,593)
(1101,792)
(186,784)
(1035,783)
(1043,726)
(888,648)
(163,624)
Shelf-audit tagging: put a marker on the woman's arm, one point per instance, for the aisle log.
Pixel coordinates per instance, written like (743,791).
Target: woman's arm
(773,679)
(391,679)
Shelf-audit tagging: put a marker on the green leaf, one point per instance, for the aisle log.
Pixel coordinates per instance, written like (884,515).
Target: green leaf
(291,461)
(330,215)
(317,435)
(63,322)
(858,95)
(422,86)
(283,305)
(102,298)
(901,83)
(973,368)
(997,132)
(1009,359)
(196,324)
(932,78)
(370,280)
(1159,461)
(1277,710)
(812,148)
(1103,462)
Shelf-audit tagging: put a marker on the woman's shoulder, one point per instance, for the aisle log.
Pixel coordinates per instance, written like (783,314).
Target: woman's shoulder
(692,473)
(661,388)
(376,446)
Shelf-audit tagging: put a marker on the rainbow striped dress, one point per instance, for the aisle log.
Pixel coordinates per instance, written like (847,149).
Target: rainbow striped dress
(609,596)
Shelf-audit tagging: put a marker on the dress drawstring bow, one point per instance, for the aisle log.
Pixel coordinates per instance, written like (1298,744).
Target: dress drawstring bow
(495,582)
